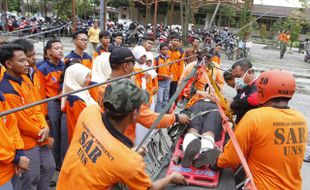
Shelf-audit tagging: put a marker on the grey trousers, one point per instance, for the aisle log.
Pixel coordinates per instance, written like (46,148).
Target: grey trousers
(64,137)
(42,167)
(307,154)
(54,114)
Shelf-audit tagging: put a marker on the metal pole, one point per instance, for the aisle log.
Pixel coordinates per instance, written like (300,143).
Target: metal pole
(5,8)
(171,14)
(155,18)
(105,14)
(101,15)
(74,15)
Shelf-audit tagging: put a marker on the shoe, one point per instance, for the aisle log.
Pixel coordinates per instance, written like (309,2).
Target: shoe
(192,149)
(53,183)
(212,155)
(201,160)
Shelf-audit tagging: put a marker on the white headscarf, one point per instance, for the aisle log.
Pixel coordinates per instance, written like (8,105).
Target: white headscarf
(150,57)
(138,52)
(101,68)
(75,76)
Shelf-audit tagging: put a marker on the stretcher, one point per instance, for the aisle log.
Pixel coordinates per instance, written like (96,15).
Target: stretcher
(203,176)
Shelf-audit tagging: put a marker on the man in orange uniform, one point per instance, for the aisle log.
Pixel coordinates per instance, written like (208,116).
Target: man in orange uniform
(283,37)
(31,122)
(105,39)
(12,157)
(32,76)
(49,73)
(164,78)
(122,63)
(175,53)
(80,41)
(272,138)
(100,155)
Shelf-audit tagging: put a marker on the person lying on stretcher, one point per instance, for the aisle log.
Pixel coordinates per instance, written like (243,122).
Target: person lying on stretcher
(204,130)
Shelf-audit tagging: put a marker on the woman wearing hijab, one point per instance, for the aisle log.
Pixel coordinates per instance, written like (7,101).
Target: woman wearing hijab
(77,76)
(154,85)
(100,73)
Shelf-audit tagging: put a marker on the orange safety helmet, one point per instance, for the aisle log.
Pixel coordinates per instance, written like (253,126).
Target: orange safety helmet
(275,84)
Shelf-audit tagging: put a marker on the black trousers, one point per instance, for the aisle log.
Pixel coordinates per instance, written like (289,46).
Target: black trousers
(211,121)
(173,88)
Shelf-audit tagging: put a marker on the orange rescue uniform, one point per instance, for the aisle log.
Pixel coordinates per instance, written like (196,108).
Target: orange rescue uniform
(18,93)
(162,71)
(273,142)
(85,59)
(146,117)
(99,157)
(200,82)
(49,75)
(284,38)
(149,81)
(33,79)
(177,68)
(74,106)
(99,51)
(2,71)
(11,144)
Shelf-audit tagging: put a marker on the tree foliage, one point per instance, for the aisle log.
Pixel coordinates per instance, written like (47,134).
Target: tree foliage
(118,3)
(263,31)
(245,20)
(14,5)
(229,13)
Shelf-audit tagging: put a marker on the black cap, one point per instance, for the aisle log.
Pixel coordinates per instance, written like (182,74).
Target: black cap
(121,55)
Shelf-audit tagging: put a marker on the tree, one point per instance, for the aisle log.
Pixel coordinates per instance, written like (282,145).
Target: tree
(245,20)
(14,5)
(263,31)
(229,13)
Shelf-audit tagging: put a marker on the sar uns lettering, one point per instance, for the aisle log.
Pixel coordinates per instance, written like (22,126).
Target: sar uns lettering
(293,150)
(82,156)
(92,150)
(292,140)
(289,136)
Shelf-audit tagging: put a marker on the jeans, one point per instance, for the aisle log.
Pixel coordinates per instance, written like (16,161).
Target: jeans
(54,114)
(162,95)
(42,167)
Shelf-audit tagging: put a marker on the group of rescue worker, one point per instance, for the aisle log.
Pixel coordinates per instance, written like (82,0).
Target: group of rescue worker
(90,136)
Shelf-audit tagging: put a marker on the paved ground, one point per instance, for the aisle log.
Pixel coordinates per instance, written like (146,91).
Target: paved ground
(263,58)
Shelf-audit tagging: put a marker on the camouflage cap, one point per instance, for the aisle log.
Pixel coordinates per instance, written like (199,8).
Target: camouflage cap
(124,96)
